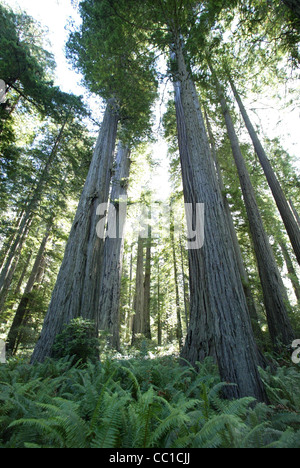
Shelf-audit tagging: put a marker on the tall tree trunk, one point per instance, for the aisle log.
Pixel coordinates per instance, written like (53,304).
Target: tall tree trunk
(138,319)
(296,214)
(185,287)
(159,321)
(76,292)
(179,332)
(12,264)
(23,274)
(109,306)
(291,270)
(12,258)
(237,249)
(220,323)
(147,284)
(13,335)
(288,218)
(275,297)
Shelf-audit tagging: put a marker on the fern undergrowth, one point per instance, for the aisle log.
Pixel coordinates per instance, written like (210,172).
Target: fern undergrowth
(141,403)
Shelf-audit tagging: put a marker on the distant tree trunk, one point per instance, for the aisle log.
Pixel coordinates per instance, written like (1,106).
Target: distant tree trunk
(13,335)
(179,332)
(138,326)
(23,274)
(9,267)
(109,306)
(293,5)
(185,287)
(9,242)
(291,270)
(288,218)
(275,297)
(159,322)
(220,323)
(296,214)
(147,284)
(76,292)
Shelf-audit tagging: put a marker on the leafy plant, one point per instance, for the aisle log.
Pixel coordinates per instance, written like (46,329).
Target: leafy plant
(78,339)
(140,404)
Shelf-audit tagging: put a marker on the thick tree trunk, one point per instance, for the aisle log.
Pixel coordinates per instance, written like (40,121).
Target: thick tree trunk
(220,323)
(13,335)
(109,306)
(237,249)
(76,292)
(288,218)
(275,297)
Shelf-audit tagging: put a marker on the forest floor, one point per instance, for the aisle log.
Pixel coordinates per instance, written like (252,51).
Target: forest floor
(141,403)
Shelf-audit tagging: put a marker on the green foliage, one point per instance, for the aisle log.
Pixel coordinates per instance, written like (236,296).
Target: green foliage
(139,404)
(116,63)
(27,67)
(77,340)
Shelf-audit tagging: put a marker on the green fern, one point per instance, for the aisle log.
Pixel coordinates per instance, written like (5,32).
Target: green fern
(141,404)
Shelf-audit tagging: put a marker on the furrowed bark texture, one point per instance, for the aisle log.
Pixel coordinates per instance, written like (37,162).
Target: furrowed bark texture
(237,249)
(286,213)
(275,296)
(77,289)
(220,324)
(109,306)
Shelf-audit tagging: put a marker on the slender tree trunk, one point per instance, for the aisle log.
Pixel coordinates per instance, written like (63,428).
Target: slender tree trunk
(12,264)
(13,335)
(296,214)
(23,274)
(275,297)
(179,332)
(147,284)
(109,306)
(138,326)
(159,322)
(9,242)
(220,323)
(291,270)
(185,287)
(76,292)
(12,258)
(288,218)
